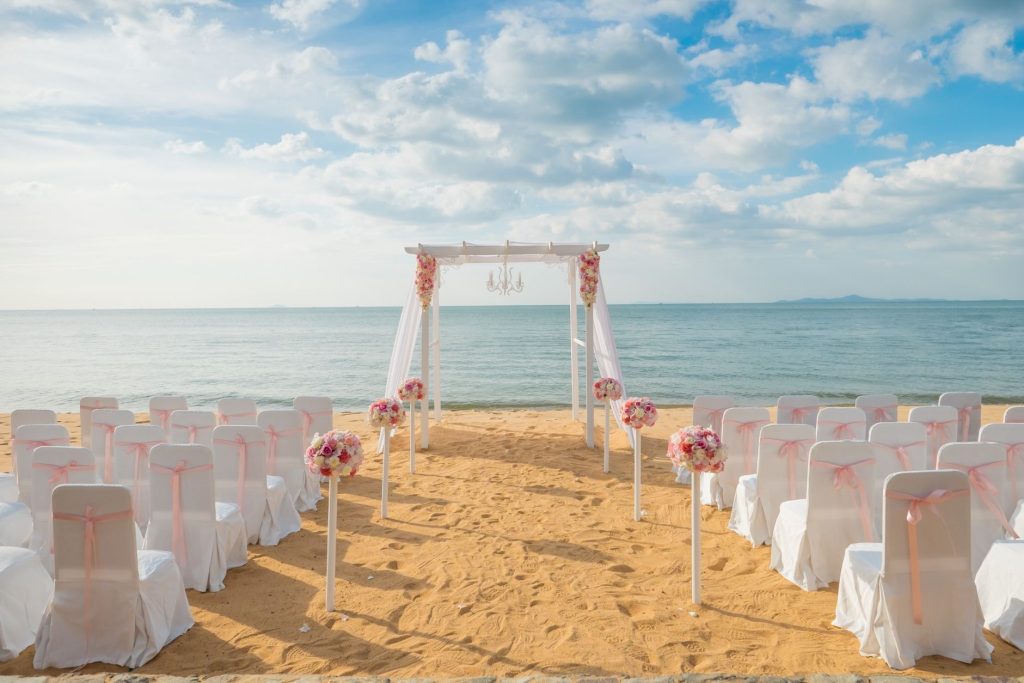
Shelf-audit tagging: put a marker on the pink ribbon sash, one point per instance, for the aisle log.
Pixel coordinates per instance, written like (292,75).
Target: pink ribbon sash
(900,450)
(798,413)
(141,449)
(746,432)
(963,416)
(988,492)
(39,443)
(274,435)
(792,450)
(163,415)
(714,416)
(59,473)
(193,430)
(225,418)
(843,431)
(89,561)
(108,450)
(845,476)
(307,418)
(242,445)
(178,531)
(884,413)
(937,436)
(914,516)
(1013,451)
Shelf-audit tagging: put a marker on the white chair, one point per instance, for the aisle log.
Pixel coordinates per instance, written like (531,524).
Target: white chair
(1001,591)
(878,408)
(740,431)
(898,447)
(206,537)
(985,467)
(85,407)
(841,424)
(132,444)
(797,409)
(51,467)
(8,487)
(192,426)
(317,415)
(811,534)
(161,407)
(15,525)
(709,410)
(240,471)
(23,416)
(111,603)
(26,439)
(939,423)
(1011,436)
(104,422)
(781,476)
(285,456)
(236,411)
(25,590)
(912,595)
(968,410)
(1014,415)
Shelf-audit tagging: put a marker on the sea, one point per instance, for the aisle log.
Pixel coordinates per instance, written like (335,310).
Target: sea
(515,356)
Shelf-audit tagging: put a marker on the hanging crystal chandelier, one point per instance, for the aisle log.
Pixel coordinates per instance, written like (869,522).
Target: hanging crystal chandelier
(504,284)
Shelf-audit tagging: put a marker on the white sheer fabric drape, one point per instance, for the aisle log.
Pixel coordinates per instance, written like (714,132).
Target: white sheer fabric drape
(607,354)
(405,344)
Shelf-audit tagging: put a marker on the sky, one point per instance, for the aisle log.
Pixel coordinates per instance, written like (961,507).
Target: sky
(177,153)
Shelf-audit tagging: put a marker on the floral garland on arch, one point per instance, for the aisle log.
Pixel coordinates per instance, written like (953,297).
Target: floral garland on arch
(426,273)
(335,454)
(411,390)
(386,412)
(590,267)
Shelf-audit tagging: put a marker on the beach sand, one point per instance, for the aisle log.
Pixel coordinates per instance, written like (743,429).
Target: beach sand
(511,553)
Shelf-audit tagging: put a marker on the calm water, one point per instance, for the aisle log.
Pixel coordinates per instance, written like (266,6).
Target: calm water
(515,355)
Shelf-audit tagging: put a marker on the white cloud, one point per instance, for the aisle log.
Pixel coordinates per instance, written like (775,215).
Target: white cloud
(717,60)
(456,52)
(626,10)
(985,49)
(292,147)
(892,141)
(179,146)
(302,14)
(875,67)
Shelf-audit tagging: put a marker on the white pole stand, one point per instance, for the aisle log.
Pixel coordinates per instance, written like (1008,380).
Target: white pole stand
(695,531)
(384,474)
(636,475)
(607,411)
(332,539)
(412,436)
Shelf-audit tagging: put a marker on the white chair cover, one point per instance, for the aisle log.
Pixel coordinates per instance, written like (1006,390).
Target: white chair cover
(1011,436)
(23,416)
(1001,591)
(239,466)
(707,412)
(206,537)
(968,410)
(811,534)
(796,409)
(85,407)
(8,487)
(161,407)
(317,416)
(15,524)
(939,423)
(879,581)
(841,424)
(111,603)
(104,422)
(740,431)
(285,456)
(781,476)
(878,408)
(192,426)
(1014,414)
(27,439)
(898,447)
(25,590)
(236,411)
(132,444)
(985,467)
(51,467)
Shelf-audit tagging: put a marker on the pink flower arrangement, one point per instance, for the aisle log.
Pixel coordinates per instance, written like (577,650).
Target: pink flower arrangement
(411,390)
(335,454)
(590,266)
(426,272)
(698,449)
(639,412)
(607,389)
(386,412)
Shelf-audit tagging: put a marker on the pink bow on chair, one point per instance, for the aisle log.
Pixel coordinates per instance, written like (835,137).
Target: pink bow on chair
(141,449)
(39,443)
(108,450)
(746,432)
(163,416)
(963,416)
(798,413)
(225,418)
(881,413)
(986,490)
(1014,451)
(843,430)
(307,418)
(914,516)
(901,451)
(274,435)
(178,530)
(715,416)
(243,458)
(845,476)
(59,473)
(193,430)
(89,561)
(792,450)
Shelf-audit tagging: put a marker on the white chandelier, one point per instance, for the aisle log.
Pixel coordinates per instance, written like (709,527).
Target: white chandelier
(504,284)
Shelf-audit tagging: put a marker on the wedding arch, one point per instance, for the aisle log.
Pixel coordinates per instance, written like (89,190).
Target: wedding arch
(422,313)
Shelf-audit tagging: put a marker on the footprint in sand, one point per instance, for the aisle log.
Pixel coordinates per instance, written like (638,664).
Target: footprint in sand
(621,569)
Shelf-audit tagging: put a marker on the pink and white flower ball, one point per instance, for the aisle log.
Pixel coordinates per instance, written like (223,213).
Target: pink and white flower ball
(607,389)
(698,449)
(386,412)
(335,454)
(411,390)
(639,413)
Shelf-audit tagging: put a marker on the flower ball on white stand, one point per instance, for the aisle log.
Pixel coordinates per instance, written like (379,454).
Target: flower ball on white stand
(412,390)
(333,455)
(638,413)
(607,389)
(698,449)
(385,414)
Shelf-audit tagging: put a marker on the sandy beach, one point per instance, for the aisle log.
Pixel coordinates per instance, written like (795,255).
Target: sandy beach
(511,553)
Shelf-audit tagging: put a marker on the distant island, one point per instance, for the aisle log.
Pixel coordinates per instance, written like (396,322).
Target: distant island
(854,299)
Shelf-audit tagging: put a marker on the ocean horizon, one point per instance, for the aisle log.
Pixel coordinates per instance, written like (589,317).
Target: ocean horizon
(507,356)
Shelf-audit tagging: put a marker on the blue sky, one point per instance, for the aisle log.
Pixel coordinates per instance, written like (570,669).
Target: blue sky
(171,153)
